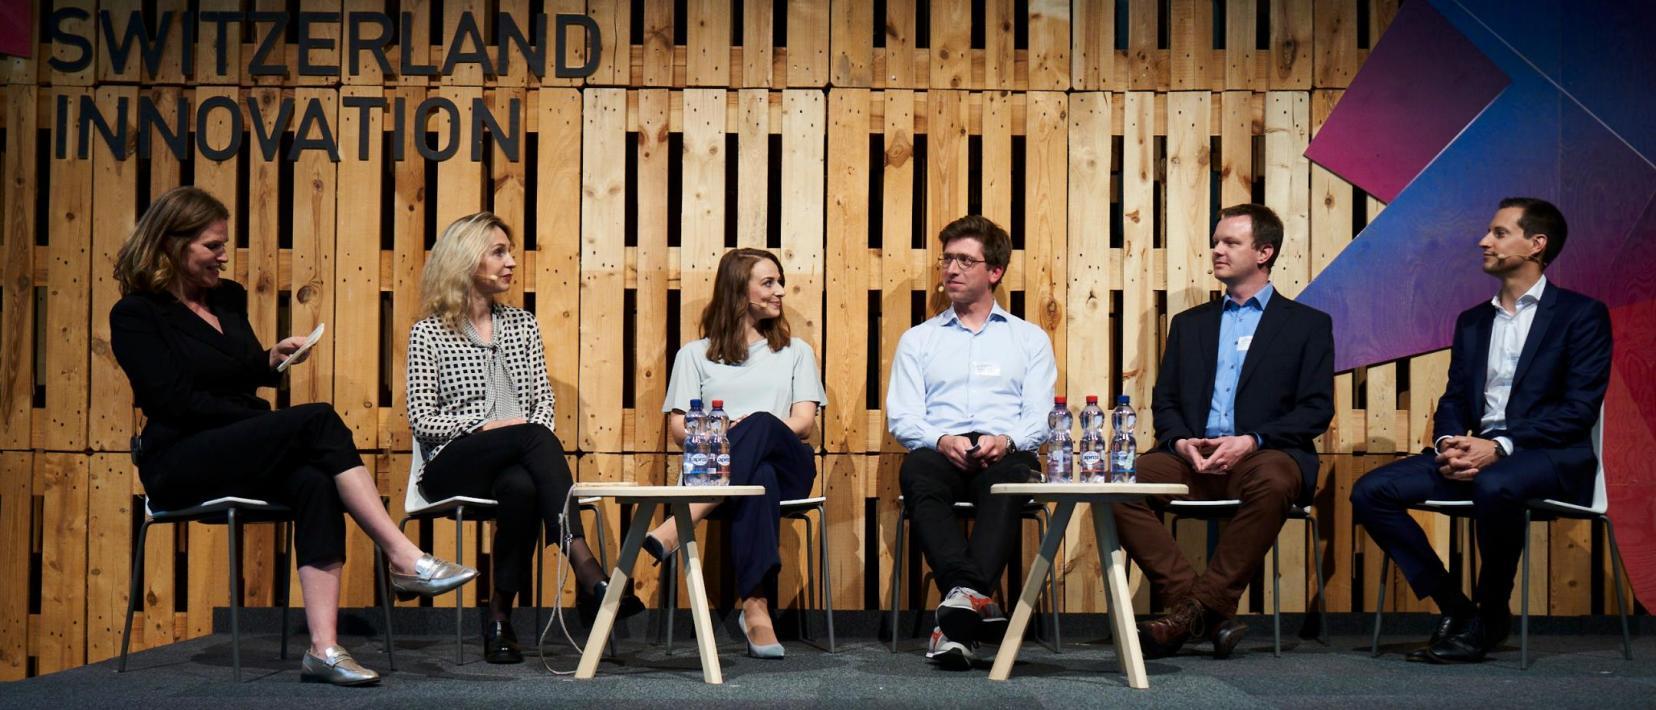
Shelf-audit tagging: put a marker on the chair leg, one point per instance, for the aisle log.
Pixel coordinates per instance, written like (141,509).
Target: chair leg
(287,582)
(827,574)
(670,578)
(1616,565)
(132,593)
(1322,589)
(540,577)
(235,593)
(459,595)
(1380,605)
(1276,602)
(810,569)
(1523,625)
(380,576)
(897,574)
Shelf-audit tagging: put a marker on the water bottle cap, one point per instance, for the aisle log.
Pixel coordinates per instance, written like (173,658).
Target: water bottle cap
(695,404)
(718,404)
(1060,399)
(1092,399)
(1123,399)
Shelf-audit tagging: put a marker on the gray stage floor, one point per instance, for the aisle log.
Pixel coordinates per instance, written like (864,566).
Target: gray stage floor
(1567,670)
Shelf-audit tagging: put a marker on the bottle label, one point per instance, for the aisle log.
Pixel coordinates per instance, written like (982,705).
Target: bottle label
(724,462)
(1091,461)
(1121,461)
(698,461)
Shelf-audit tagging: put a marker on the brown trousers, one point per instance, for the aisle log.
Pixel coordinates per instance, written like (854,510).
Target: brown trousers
(1267,482)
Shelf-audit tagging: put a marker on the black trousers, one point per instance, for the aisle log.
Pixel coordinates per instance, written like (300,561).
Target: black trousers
(521,466)
(289,456)
(931,486)
(763,452)
(1380,500)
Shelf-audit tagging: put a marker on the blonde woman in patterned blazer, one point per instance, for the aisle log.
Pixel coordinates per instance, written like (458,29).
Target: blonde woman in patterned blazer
(481,408)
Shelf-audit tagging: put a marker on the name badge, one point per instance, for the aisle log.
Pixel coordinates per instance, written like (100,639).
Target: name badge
(986,369)
(1243,342)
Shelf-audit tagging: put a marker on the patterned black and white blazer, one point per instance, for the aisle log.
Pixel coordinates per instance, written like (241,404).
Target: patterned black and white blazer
(448,377)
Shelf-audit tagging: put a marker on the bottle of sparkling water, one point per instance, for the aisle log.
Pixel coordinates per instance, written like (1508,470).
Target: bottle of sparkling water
(1123,444)
(695,446)
(1093,462)
(1059,464)
(718,445)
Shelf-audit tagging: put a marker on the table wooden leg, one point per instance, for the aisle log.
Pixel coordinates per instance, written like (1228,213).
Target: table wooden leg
(1121,599)
(620,579)
(699,612)
(1031,593)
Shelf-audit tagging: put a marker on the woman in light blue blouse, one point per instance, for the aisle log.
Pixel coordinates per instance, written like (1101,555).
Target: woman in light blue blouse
(771,390)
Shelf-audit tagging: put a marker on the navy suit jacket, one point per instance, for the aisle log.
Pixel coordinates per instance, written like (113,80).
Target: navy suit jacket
(1285,392)
(1557,390)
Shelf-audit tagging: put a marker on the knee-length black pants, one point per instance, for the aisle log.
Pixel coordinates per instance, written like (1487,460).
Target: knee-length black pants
(289,456)
(522,466)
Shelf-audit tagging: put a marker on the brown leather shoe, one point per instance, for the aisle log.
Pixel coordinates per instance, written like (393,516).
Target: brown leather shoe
(1225,634)
(1163,637)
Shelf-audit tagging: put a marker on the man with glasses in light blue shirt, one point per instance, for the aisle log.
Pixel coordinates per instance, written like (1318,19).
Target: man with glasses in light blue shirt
(969,392)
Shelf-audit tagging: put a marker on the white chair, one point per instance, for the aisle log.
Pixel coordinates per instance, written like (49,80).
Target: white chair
(1459,513)
(796,509)
(1226,509)
(463,508)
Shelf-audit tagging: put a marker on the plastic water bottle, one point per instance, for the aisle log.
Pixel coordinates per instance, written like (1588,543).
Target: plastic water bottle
(1093,462)
(1123,444)
(718,445)
(695,446)
(1059,465)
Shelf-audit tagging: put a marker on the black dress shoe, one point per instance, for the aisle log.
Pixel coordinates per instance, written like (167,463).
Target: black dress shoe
(587,603)
(500,644)
(1467,646)
(1497,626)
(1447,625)
(1226,635)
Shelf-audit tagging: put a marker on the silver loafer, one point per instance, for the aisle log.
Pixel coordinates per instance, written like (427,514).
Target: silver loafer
(337,667)
(431,577)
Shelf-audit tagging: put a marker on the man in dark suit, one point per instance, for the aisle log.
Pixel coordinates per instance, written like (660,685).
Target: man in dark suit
(1527,373)
(1246,385)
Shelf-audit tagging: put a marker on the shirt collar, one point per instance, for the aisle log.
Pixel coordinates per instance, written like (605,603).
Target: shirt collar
(1261,299)
(950,317)
(1530,297)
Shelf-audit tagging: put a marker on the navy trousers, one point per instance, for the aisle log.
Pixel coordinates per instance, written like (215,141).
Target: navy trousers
(763,452)
(1380,502)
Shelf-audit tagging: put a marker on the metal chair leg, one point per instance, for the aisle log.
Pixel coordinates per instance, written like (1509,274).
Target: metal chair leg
(132,592)
(1276,602)
(1380,605)
(287,582)
(897,574)
(235,593)
(1523,628)
(381,574)
(1616,565)
(459,595)
(1322,589)
(810,569)
(827,574)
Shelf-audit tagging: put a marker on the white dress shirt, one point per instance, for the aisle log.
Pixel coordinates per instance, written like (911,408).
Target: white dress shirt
(1506,345)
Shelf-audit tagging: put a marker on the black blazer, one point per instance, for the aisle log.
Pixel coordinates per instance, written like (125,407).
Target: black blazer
(1563,371)
(1285,393)
(186,376)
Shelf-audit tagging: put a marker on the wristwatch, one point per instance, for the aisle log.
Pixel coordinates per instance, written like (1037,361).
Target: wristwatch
(1500,451)
(1011,446)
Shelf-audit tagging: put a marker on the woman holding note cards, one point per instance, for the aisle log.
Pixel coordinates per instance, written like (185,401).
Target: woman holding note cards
(480,405)
(181,334)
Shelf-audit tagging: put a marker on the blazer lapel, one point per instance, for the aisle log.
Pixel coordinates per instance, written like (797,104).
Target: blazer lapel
(1481,332)
(193,326)
(1270,323)
(1544,312)
(1207,345)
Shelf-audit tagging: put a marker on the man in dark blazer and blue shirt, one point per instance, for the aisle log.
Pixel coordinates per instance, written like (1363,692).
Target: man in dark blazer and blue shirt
(1527,373)
(1246,385)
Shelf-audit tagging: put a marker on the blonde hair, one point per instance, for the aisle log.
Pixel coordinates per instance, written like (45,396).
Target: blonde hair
(148,261)
(446,284)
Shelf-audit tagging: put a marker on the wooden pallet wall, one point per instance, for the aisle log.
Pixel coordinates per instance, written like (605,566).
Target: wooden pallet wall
(840,139)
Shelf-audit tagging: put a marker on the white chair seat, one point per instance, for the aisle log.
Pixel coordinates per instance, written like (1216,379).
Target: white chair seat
(214,505)
(442,507)
(1558,506)
(805,502)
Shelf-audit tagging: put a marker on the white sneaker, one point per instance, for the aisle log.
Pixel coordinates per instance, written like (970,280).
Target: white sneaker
(952,655)
(963,613)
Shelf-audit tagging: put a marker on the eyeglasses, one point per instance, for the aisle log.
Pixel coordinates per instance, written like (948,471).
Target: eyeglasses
(964,262)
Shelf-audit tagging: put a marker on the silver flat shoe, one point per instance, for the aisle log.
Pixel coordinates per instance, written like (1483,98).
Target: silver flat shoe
(431,577)
(773,651)
(337,667)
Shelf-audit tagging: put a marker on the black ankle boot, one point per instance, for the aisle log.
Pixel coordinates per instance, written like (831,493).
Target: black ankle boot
(500,644)
(588,601)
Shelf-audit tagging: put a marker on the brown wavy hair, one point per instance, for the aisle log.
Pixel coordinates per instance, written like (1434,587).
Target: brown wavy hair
(721,320)
(148,261)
